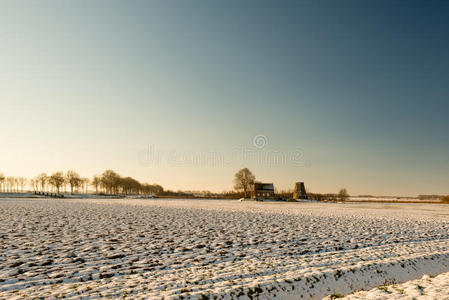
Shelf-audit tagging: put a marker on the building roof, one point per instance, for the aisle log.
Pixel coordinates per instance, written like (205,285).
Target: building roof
(259,186)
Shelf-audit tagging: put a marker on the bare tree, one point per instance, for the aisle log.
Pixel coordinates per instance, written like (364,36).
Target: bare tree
(41,181)
(2,181)
(243,180)
(16,184)
(110,181)
(343,195)
(96,182)
(10,181)
(22,181)
(73,179)
(56,180)
(85,184)
(149,189)
(33,184)
(130,185)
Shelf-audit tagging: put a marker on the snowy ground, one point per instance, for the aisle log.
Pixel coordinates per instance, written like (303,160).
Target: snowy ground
(18,195)
(201,249)
(427,287)
(392,199)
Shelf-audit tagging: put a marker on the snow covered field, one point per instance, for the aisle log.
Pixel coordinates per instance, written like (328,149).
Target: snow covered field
(427,287)
(206,249)
(392,199)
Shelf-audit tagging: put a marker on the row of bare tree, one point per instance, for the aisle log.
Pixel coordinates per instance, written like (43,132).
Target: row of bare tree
(112,183)
(58,181)
(108,183)
(12,184)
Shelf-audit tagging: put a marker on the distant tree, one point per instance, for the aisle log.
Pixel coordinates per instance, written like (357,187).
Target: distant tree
(145,188)
(157,189)
(96,182)
(130,185)
(2,180)
(445,199)
(41,181)
(85,184)
(22,181)
(343,195)
(32,183)
(73,179)
(110,181)
(57,180)
(151,189)
(16,184)
(429,197)
(11,182)
(243,180)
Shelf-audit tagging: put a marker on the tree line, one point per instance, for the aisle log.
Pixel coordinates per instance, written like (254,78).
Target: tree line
(109,182)
(12,184)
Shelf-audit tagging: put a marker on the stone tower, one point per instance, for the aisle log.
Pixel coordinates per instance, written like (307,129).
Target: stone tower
(300,191)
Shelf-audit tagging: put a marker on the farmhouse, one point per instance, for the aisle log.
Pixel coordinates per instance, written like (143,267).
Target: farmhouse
(263,190)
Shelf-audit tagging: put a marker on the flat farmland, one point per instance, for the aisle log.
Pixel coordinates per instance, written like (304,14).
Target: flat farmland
(214,249)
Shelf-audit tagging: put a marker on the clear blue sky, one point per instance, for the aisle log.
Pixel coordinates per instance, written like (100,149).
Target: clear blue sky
(360,88)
